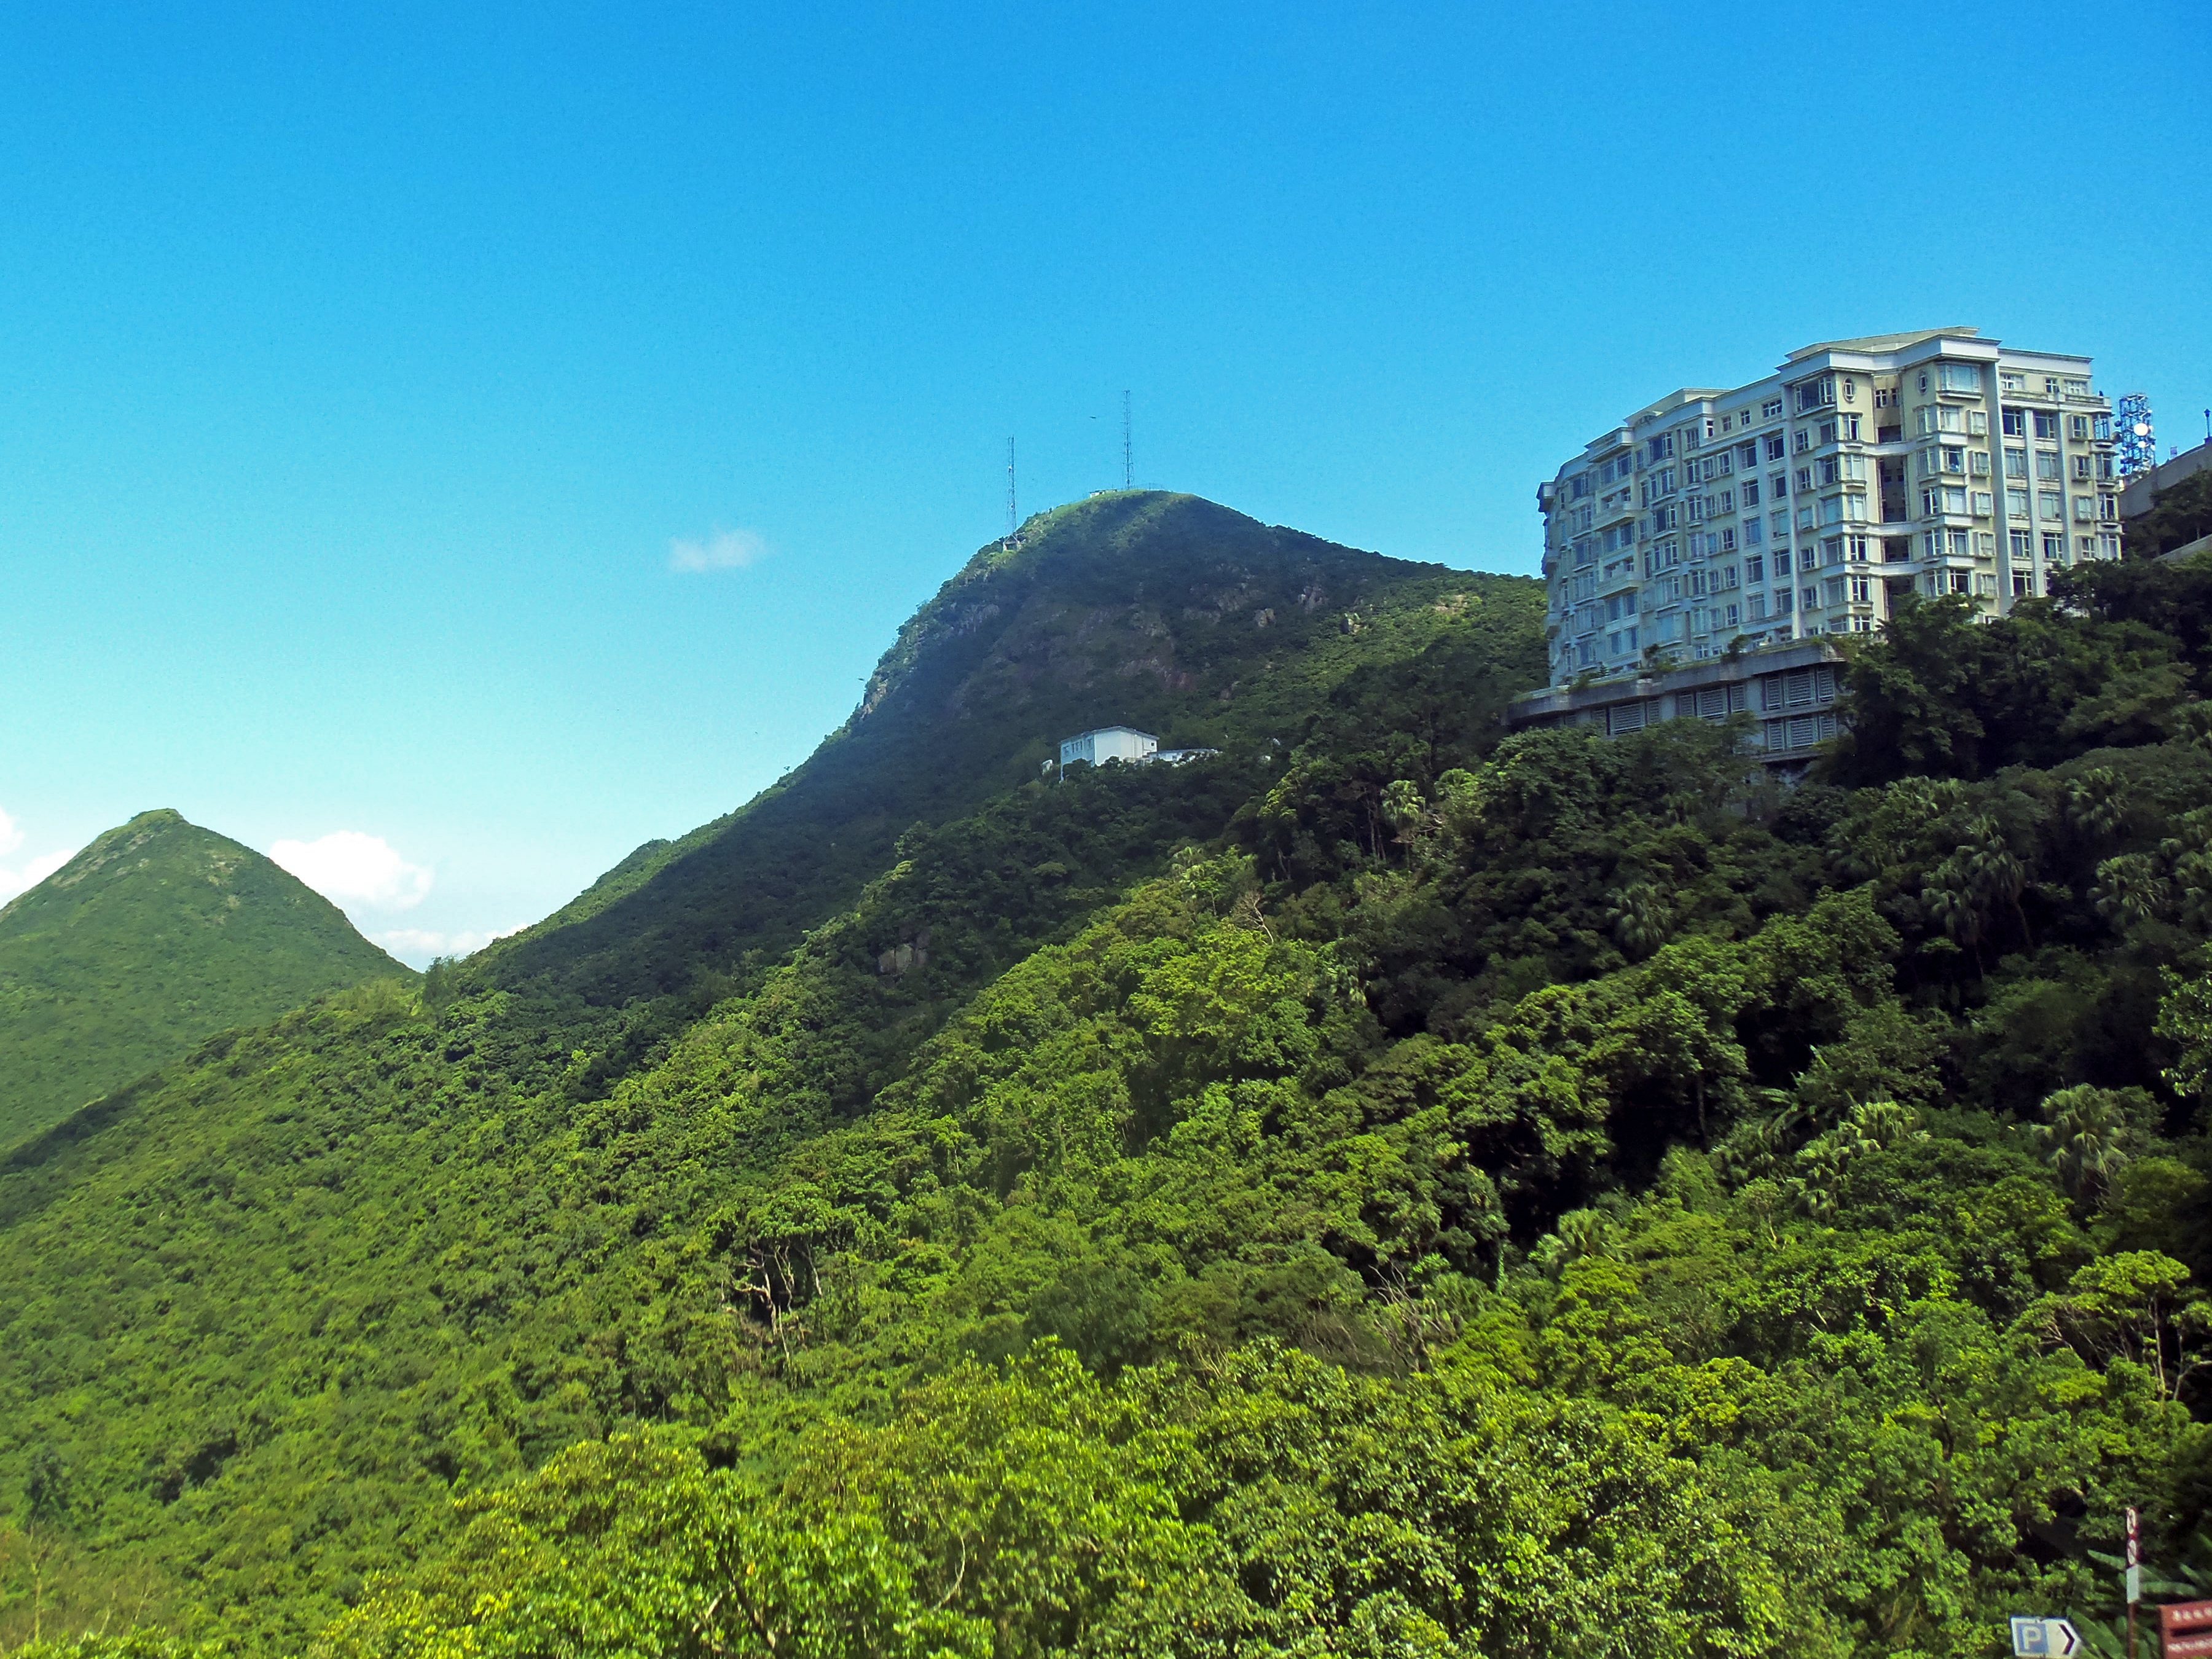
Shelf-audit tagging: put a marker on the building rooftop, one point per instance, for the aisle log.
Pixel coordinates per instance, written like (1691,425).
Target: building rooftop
(1877,343)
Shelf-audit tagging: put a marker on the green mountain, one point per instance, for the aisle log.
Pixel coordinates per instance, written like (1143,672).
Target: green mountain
(156,937)
(1408,1190)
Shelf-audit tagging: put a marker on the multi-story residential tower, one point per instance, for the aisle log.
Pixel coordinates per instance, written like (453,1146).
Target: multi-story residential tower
(1804,503)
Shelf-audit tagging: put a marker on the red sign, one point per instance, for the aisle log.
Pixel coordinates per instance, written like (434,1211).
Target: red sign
(2176,1617)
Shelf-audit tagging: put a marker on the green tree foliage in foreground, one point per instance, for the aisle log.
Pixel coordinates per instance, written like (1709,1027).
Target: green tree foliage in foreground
(151,939)
(1428,1197)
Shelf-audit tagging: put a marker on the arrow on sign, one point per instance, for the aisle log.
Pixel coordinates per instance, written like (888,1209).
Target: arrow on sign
(2045,1638)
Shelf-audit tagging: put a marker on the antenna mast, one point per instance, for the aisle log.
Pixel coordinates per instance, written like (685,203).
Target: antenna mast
(1128,467)
(2138,440)
(1012,523)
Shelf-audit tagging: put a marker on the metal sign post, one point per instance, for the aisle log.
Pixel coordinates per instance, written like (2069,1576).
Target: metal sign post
(2134,1575)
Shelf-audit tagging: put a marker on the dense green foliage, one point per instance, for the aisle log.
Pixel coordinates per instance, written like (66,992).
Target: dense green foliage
(153,938)
(1422,1196)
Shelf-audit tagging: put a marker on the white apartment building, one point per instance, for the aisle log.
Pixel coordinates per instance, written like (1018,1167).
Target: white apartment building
(1803,504)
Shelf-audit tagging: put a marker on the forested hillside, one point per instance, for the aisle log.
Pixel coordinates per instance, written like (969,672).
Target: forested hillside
(153,938)
(1406,1191)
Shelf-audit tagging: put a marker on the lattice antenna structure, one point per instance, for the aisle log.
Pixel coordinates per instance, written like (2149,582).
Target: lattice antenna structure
(2136,445)
(1012,522)
(1128,463)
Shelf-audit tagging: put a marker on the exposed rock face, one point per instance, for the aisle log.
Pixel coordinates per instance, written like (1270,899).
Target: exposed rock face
(907,955)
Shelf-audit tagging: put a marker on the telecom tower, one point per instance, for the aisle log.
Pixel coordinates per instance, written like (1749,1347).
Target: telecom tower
(1012,523)
(1128,466)
(2137,448)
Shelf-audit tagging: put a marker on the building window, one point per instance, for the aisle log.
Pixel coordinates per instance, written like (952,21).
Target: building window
(1959,377)
(2078,425)
(1983,504)
(2020,543)
(2053,504)
(1851,429)
(2014,423)
(2023,584)
(1808,598)
(1986,583)
(1752,533)
(1754,569)
(2012,383)
(1751,492)
(2046,424)
(2054,548)
(1770,409)
(1783,602)
(2016,503)
(2046,465)
(1775,447)
(1862,590)
(2016,461)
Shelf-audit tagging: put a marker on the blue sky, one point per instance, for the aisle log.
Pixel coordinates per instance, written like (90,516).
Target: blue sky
(362,376)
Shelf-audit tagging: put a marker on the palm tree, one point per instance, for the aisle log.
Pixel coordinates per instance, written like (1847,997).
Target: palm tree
(2088,1138)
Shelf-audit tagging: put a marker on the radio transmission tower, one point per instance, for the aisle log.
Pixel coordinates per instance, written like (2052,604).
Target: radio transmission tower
(1128,466)
(1012,523)
(2137,448)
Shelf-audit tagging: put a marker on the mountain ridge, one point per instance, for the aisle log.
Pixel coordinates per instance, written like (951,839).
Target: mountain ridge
(1158,610)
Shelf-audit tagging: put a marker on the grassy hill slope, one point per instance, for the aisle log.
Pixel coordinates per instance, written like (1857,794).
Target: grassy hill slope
(153,938)
(1428,1195)
(263,1312)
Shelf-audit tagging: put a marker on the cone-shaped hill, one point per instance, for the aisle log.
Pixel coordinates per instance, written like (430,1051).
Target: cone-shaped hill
(158,934)
(1162,612)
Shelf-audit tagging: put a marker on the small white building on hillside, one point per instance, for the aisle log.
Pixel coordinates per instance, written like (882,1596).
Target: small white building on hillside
(1121,742)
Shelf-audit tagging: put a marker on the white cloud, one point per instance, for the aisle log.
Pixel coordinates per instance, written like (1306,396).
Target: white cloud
(415,946)
(724,549)
(348,867)
(22,879)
